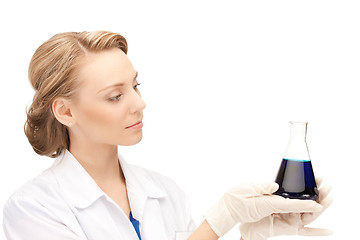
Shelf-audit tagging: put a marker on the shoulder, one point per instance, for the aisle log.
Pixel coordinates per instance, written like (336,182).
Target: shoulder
(27,198)
(38,209)
(33,188)
(38,192)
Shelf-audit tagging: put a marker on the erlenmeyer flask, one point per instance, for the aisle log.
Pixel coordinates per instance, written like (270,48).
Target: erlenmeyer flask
(296,177)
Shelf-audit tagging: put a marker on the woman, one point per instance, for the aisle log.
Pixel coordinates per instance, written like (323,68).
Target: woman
(86,103)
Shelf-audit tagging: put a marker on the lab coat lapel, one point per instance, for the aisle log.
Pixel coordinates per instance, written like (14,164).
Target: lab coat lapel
(87,202)
(103,226)
(144,196)
(153,222)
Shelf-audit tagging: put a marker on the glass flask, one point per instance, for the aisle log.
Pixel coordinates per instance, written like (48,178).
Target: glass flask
(296,177)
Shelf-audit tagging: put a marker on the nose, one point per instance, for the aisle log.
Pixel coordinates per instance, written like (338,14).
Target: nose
(137,103)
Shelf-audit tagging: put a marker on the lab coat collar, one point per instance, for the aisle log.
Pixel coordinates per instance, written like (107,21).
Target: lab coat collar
(140,186)
(81,190)
(77,185)
(138,179)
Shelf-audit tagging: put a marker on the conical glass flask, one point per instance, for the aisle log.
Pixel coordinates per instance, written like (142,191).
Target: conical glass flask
(296,177)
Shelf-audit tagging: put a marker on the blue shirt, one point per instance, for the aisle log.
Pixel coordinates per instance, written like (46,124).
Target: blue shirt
(135,223)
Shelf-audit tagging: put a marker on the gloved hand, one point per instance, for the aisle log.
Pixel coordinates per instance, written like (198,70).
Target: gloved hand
(250,203)
(288,223)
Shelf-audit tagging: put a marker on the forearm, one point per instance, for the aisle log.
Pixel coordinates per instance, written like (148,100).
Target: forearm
(203,232)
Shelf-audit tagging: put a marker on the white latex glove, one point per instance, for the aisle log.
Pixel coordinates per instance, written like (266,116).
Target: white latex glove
(250,203)
(288,223)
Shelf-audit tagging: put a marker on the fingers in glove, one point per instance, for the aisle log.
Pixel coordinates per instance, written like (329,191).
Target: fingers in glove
(279,204)
(323,193)
(264,188)
(324,199)
(318,181)
(326,202)
(253,190)
(307,231)
(310,217)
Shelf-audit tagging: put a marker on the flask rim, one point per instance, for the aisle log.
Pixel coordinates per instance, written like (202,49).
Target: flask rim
(297,122)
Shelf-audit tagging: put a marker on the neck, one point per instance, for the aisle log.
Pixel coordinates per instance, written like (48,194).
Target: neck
(100,161)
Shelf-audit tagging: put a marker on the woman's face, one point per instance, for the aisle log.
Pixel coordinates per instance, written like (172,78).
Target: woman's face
(108,102)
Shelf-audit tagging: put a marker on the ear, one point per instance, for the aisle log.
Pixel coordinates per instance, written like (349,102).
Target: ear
(62,111)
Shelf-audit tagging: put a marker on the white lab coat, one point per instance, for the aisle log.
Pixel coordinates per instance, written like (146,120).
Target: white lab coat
(64,202)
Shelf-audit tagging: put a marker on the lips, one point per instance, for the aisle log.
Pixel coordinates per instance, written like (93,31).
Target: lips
(139,122)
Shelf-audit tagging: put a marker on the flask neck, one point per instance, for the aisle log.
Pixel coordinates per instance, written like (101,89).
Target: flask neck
(297,148)
(298,131)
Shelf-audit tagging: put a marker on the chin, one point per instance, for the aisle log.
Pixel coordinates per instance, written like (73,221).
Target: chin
(132,141)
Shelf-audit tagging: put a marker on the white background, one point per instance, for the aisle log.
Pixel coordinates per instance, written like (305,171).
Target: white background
(221,80)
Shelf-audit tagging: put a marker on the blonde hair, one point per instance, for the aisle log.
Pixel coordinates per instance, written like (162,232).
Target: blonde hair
(52,73)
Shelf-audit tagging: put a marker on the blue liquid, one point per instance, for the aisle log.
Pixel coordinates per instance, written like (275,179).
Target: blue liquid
(296,180)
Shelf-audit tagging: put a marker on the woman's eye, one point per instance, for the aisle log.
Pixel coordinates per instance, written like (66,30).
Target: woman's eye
(136,86)
(116,98)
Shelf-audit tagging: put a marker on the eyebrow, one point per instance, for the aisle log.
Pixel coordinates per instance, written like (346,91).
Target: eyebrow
(118,84)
